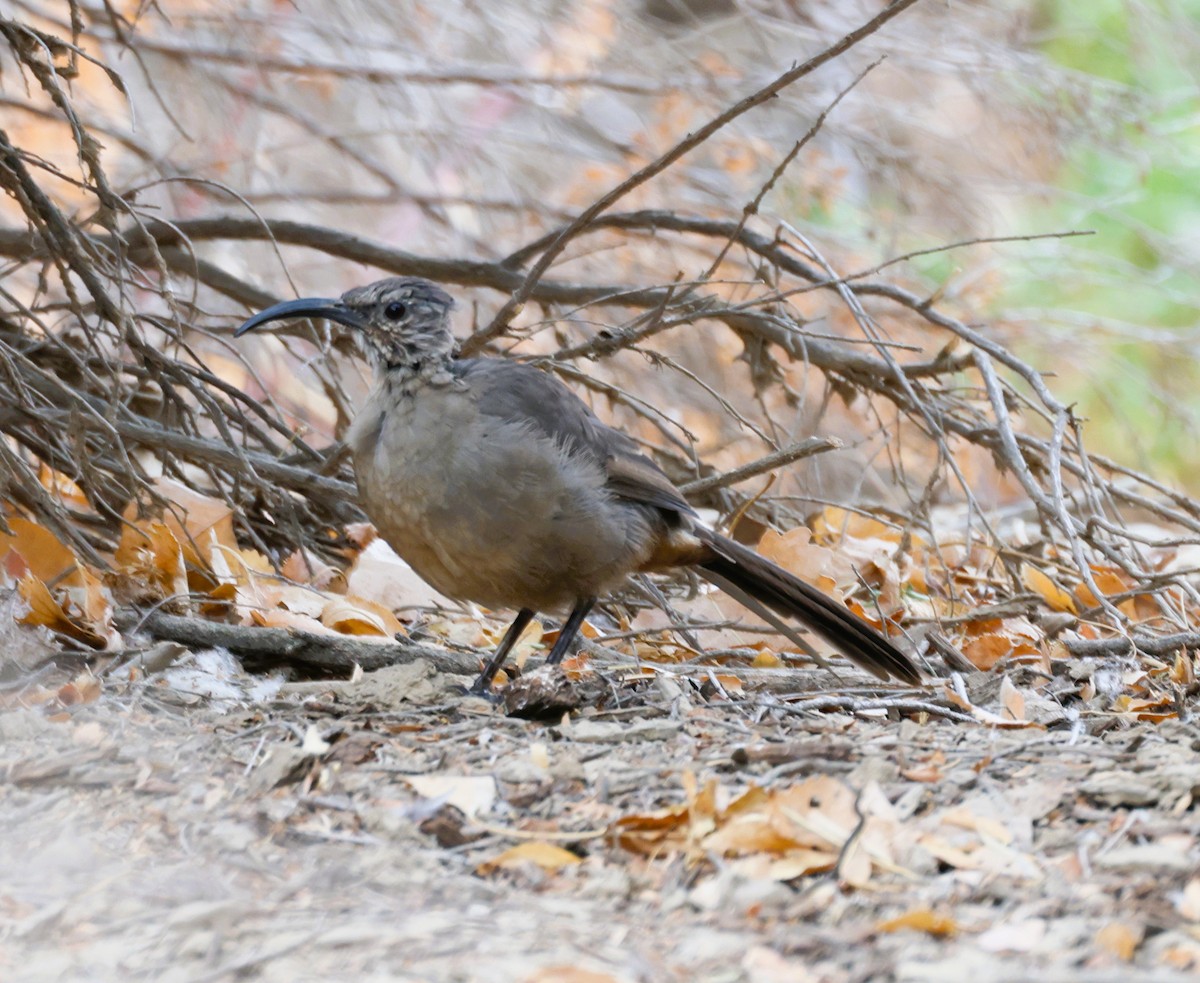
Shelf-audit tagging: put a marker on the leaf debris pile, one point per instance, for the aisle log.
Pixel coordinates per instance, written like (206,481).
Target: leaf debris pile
(700,841)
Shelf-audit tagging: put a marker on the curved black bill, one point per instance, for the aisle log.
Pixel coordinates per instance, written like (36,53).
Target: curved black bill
(332,310)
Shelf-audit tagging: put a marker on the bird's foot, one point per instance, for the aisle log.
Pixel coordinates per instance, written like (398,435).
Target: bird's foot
(483,690)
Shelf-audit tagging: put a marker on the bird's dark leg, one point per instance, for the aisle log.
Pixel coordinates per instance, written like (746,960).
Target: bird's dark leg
(566,634)
(483,684)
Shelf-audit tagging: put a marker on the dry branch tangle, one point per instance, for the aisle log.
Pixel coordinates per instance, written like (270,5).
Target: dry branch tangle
(89,403)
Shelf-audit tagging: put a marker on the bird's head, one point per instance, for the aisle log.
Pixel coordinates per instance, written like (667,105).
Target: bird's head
(401,321)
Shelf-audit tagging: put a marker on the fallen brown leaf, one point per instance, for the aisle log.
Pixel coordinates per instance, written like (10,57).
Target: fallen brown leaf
(84,688)
(1011,700)
(1051,592)
(569,974)
(149,562)
(61,616)
(352,615)
(921,920)
(42,553)
(1119,940)
(545,855)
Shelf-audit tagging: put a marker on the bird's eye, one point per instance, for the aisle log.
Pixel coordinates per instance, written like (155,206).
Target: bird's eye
(395,311)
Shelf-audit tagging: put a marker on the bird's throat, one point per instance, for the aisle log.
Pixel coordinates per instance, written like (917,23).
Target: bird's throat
(407,375)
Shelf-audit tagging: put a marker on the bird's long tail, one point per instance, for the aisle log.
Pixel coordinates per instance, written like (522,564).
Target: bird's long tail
(731,564)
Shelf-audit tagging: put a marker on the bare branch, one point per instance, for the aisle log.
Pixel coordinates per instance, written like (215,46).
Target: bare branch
(602,204)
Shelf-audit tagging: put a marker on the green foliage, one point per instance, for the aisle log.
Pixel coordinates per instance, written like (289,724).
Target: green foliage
(1131,173)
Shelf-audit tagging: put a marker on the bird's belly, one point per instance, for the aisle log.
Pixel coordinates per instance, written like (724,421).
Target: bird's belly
(484,511)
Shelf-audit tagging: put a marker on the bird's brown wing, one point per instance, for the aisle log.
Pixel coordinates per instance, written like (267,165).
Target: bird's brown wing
(512,391)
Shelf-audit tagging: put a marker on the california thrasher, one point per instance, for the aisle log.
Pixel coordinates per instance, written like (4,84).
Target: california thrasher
(498,485)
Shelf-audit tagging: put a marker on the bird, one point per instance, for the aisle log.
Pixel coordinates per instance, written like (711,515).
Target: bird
(498,485)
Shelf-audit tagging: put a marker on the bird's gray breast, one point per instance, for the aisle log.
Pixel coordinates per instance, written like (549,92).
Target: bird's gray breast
(488,508)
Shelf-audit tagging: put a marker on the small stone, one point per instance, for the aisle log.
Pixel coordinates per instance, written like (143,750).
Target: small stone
(283,765)
(1144,855)
(1120,788)
(606,732)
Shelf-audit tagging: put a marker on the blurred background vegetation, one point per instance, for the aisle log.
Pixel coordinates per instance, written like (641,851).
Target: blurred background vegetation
(1117,315)
(1104,137)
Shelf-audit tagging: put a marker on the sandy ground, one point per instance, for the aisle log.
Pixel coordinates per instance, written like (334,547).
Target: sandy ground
(205,825)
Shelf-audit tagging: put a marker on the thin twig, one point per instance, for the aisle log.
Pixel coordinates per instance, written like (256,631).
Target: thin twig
(514,303)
